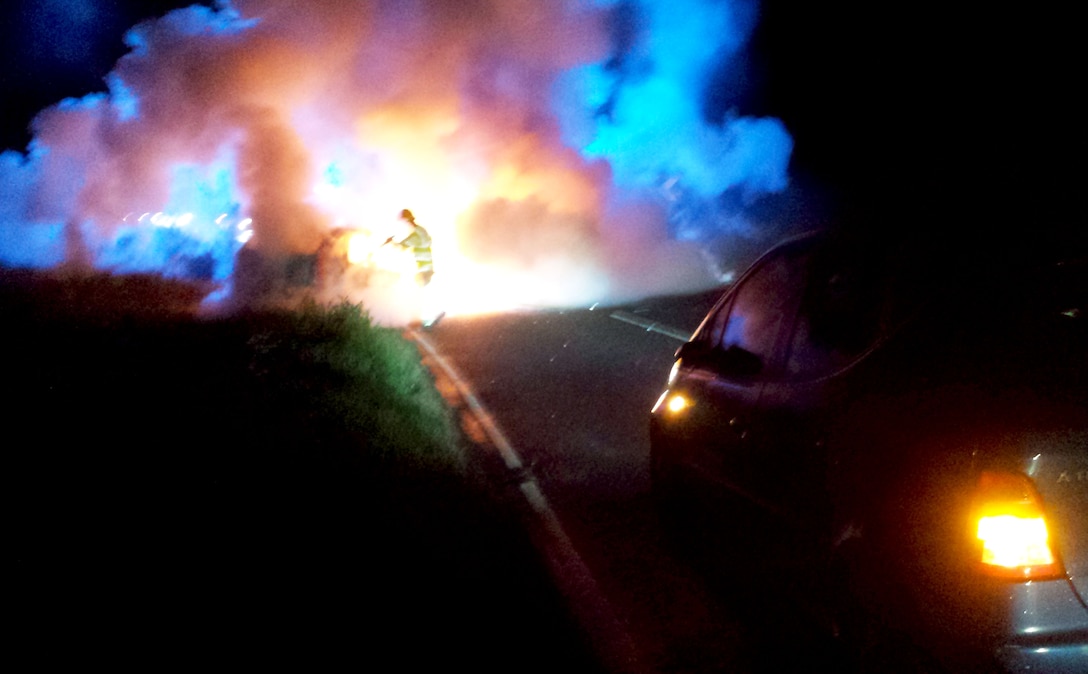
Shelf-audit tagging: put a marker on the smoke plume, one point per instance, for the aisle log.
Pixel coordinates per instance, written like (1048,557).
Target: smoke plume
(560,153)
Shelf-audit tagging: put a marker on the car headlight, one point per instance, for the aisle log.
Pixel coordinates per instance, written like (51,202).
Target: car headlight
(677,403)
(672,402)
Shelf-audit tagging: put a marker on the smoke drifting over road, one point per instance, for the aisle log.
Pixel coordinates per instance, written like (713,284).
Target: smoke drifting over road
(560,153)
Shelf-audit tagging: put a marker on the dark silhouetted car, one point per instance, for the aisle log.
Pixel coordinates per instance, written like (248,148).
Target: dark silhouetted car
(917,430)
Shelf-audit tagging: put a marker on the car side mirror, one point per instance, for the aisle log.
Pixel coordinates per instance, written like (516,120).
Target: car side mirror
(733,360)
(738,361)
(692,351)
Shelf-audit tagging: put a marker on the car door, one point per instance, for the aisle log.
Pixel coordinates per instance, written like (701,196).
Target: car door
(843,312)
(725,366)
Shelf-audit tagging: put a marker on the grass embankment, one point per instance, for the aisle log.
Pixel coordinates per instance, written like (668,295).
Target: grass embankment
(260,487)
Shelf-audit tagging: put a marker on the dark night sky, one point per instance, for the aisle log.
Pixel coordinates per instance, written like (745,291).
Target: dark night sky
(905,108)
(938,118)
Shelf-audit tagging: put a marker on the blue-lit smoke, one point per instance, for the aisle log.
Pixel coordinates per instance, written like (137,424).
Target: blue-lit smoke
(100,187)
(644,111)
(181,242)
(269,120)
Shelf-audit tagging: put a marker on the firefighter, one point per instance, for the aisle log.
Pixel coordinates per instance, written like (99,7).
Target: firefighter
(419,242)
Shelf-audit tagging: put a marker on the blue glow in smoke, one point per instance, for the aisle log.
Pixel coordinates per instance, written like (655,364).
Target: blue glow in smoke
(26,240)
(125,101)
(334,175)
(196,236)
(642,110)
(195,20)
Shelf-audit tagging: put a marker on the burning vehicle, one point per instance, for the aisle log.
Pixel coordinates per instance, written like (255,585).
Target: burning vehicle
(221,253)
(347,261)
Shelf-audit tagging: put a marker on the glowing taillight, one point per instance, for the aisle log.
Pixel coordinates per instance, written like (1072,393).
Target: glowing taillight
(1011,528)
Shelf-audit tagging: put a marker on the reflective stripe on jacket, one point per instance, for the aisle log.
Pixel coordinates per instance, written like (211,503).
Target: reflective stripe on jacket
(419,241)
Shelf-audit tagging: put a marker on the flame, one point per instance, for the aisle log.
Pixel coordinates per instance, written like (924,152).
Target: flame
(425,167)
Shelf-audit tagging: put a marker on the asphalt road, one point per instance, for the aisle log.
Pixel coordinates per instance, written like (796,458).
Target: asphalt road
(571,391)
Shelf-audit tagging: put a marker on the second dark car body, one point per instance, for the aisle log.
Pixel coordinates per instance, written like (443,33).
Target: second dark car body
(923,437)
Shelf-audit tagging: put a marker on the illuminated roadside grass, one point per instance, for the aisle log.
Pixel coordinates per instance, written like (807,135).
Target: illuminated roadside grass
(315,375)
(348,373)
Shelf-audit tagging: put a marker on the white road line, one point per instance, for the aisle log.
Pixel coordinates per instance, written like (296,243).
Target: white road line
(609,637)
(651,326)
(509,455)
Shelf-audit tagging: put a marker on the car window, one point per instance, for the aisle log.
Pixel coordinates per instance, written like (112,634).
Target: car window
(839,317)
(754,316)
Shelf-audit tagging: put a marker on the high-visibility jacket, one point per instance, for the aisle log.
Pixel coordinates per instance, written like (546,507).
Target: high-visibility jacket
(419,241)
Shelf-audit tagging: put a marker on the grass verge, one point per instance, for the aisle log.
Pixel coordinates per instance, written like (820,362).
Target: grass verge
(265,488)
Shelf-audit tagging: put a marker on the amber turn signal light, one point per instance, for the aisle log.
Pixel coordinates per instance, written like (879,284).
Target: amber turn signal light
(1012,530)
